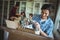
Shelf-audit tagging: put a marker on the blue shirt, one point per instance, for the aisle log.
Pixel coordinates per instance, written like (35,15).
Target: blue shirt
(46,26)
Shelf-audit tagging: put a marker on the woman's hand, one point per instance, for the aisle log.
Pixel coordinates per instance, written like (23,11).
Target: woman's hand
(37,25)
(12,18)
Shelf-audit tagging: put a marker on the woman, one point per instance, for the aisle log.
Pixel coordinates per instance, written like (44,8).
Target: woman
(44,22)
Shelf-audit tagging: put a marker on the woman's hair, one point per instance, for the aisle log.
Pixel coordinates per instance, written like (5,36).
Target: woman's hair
(47,6)
(23,13)
(17,4)
(31,14)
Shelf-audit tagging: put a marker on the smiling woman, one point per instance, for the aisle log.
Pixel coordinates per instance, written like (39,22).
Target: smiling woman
(45,22)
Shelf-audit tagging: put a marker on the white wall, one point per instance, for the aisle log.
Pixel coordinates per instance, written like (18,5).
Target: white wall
(29,8)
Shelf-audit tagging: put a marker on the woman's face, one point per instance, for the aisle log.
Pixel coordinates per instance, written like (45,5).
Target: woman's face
(45,13)
(22,14)
(30,16)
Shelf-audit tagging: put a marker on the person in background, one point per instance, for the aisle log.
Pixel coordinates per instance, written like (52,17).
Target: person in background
(30,16)
(13,13)
(44,22)
(23,16)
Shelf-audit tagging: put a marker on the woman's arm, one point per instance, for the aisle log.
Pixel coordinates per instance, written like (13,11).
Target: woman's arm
(37,25)
(43,33)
